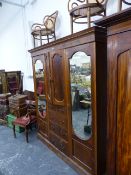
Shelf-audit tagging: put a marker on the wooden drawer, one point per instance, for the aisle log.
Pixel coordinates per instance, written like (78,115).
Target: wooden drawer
(42,127)
(58,116)
(58,130)
(58,143)
(83,154)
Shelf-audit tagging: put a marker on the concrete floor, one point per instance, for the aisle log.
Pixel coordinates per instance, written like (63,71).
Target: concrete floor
(19,158)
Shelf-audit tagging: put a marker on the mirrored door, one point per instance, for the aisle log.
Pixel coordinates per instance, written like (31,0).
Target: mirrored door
(80,78)
(40,88)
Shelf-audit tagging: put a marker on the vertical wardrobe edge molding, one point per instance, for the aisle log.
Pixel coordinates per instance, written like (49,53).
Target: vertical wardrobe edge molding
(87,156)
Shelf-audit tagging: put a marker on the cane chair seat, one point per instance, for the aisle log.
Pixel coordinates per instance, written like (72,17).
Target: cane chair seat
(82,11)
(45,31)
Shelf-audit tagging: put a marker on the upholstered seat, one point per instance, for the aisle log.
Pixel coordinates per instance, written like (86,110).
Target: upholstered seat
(25,120)
(22,121)
(45,31)
(82,11)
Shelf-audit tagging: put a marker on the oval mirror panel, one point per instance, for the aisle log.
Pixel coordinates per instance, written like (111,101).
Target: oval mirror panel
(40,88)
(80,78)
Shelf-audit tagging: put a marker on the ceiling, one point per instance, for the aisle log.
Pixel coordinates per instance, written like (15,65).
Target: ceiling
(9,11)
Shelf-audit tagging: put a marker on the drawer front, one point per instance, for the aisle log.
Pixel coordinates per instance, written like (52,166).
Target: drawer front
(58,130)
(59,143)
(42,127)
(83,154)
(58,116)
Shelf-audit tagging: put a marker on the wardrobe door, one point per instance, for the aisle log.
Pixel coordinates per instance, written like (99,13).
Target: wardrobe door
(82,90)
(58,122)
(123,154)
(40,93)
(57,78)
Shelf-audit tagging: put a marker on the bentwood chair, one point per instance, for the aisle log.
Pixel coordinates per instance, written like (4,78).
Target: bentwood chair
(82,11)
(127,2)
(45,31)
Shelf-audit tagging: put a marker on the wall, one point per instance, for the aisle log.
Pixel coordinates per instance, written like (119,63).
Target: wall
(15,38)
(12,56)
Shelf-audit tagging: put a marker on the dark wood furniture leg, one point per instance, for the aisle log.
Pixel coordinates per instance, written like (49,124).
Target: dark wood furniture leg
(14,131)
(26,133)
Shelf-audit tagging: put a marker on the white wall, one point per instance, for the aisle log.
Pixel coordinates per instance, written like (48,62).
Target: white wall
(15,38)
(12,47)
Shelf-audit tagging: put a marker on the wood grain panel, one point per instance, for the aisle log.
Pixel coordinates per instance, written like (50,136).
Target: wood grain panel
(57,78)
(124,115)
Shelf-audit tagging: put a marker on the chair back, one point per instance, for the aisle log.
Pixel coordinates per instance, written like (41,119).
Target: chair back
(128,2)
(74,3)
(120,2)
(91,1)
(51,20)
(31,106)
(97,1)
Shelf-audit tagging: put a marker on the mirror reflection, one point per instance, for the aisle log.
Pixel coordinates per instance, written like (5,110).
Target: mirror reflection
(40,88)
(80,76)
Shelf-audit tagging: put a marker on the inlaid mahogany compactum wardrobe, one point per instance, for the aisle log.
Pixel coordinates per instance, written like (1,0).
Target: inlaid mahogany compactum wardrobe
(83,91)
(70,81)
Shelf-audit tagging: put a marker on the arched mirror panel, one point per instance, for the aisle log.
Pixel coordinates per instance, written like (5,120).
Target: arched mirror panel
(40,88)
(80,78)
